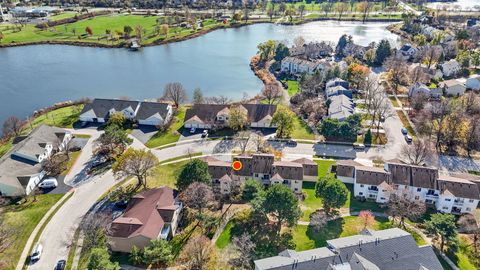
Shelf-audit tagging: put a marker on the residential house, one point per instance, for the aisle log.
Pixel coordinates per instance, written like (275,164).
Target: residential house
(337,82)
(392,249)
(209,116)
(473,83)
(450,68)
(354,50)
(153,113)
(341,107)
(316,50)
(295,65)
(146,113)
(21,168)
(450,194)
(453,87)
(263,168)
(337,91)
(151,214)
(425,74)
(407,51)
(421,89)
(457,195)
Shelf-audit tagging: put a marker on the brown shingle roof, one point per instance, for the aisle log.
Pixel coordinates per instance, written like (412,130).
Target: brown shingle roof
(217,168)
(310,167)
(257,112)
(458,187)
(411,175)
(262,163)
(371,175)
(146,214)
(205,112)
(247,165)
(346,168)
(288,170)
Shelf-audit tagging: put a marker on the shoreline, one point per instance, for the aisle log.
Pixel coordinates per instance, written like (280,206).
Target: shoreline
(195,35)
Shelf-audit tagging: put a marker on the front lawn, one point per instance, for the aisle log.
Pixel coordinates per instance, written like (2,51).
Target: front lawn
(165,175)
(73,157)
(24,218)
(462,257)
(5,147)
(306,238)
(405,123)
(172,134)
(301,130)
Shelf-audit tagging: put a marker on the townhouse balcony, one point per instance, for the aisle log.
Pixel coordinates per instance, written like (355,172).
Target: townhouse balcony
(458,203)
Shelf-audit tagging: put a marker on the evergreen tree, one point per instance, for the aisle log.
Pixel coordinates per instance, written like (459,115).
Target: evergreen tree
(194,171)
(383,51)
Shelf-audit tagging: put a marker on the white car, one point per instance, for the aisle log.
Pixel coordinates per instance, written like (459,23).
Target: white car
(36,252)
(192,130)
(48,183)
(204,133)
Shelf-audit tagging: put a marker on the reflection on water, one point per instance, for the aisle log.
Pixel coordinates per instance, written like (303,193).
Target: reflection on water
(36,76)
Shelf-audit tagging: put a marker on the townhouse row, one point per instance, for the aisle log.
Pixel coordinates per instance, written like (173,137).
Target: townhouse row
(456,194)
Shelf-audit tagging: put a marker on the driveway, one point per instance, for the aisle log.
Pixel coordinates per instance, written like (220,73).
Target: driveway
(144,133)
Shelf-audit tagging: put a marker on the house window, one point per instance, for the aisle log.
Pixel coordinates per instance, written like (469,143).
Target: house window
(296,189)
(382,198)
(445,208)
(256,175)
(419,189)
(361,185)
(468,209)
(360,193)
(448,200)
(470,201)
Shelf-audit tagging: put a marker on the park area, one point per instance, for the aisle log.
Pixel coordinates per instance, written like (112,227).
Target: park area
(105,29)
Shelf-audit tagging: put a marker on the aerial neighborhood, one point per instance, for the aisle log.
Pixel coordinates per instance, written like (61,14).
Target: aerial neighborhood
(347,139)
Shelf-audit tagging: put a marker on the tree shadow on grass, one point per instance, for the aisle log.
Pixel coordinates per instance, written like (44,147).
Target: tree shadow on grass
(332,230)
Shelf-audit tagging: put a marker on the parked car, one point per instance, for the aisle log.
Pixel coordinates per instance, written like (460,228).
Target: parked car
(48,183)
(359,146)
(404,131)
(204,133)
(408,138)
(192,130)
(36,253)
(291,143)
(61,265)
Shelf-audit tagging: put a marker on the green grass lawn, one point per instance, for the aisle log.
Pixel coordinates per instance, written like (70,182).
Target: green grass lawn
(462,257)
(301,130)
(63,15)
(75,31)
(73,157)
(306,238)
(226,235)
(63,117)
(312,203)
(24,218)
(5,147)
(293,87)
(172,134)
(394,101)
(405,123)
(165,175)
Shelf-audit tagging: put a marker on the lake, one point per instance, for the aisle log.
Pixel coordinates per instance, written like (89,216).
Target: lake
(34,77)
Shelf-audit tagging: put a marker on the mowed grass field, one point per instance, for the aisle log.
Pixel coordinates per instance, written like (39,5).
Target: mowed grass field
(114,23)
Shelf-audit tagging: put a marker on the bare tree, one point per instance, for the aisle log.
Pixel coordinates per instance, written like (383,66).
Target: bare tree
(471,102)
(198,96)
(468,224)
(431,55)
(198,196)
(299,41)
(175,92)
(94,227)
(272,93)
(55,164)
(417,152)
(440,111)
(221,99)
(12,126)
(245,248)
(472,141)
(198,253)
(318,220)
(418,101)
(397,71)
(242,139)
(402,206)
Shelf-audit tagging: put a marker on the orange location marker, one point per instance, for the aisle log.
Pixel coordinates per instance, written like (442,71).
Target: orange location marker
(237,165)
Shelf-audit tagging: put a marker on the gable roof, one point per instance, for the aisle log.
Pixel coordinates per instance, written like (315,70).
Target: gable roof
(257,112)
(392,249)
(411,175)
(207,113)
(217,168)
(146,214)
(458,187)
(371,175)
(101,107)
(21,162)
(149,109)
(288,170)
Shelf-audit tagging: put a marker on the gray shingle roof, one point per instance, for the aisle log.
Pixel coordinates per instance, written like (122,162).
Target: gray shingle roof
(392,249)
(148,109)
(101,107)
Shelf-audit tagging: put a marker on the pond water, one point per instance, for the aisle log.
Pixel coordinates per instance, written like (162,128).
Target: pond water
(33,77)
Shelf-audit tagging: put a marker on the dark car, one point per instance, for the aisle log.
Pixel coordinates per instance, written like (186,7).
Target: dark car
(61,265)
(291,143)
